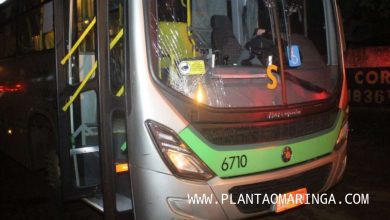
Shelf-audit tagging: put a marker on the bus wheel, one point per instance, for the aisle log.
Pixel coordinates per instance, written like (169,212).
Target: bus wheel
(53,170)
(43,152)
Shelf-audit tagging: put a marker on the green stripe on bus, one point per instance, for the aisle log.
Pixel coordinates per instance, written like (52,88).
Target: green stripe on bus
(262,157)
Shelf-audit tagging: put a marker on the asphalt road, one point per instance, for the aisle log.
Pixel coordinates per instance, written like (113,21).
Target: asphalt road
(23,194)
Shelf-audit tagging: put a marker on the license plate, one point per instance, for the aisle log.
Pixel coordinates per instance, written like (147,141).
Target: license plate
(290,200)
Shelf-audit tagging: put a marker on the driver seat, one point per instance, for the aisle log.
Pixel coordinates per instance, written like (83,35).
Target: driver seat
(224,41)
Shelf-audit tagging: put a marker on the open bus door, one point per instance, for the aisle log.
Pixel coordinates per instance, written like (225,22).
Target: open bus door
(91,70)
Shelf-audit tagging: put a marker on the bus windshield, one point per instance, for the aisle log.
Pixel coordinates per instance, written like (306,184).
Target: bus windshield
(252,53)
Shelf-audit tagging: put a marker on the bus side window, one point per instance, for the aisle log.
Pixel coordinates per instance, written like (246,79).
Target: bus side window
(7,29)
(7,40)
(7,11)
(47,25)
(36,29)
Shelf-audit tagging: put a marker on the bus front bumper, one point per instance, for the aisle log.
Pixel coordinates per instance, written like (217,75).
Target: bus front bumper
(163,196)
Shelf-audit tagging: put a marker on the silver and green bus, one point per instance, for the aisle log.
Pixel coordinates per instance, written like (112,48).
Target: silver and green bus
(164,103)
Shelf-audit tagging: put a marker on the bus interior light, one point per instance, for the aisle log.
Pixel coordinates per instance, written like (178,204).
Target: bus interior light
(176,154)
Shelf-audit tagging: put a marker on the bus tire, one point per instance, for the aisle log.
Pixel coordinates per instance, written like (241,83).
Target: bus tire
(53,172)
(43,150)
(45,160)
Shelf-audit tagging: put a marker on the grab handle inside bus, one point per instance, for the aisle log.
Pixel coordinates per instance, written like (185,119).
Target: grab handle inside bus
(78,42)
(92,70)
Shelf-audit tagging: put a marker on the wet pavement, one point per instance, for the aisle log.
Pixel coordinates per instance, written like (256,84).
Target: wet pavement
(23,194)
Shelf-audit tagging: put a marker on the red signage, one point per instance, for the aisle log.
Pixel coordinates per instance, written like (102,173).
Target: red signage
(368,75)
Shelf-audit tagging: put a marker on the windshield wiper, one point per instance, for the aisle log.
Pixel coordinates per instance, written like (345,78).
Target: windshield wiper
(304,83)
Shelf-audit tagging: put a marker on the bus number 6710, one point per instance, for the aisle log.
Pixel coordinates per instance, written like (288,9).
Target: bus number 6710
(234,162)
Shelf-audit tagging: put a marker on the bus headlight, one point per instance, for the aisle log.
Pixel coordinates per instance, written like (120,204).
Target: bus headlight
(176,154)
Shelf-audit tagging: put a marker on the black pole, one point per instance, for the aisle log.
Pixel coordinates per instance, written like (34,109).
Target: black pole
(280,51)
(106,151)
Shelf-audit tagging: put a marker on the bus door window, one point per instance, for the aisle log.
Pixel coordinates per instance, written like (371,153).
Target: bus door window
(84,58)
(85,140)
(116,52)
(85,14)
(83,112)
(117,80)
(122,166)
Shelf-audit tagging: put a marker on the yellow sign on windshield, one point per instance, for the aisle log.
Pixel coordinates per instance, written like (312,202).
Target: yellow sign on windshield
(192,67)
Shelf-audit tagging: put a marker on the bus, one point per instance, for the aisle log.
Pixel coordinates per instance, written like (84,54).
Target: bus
(141,108)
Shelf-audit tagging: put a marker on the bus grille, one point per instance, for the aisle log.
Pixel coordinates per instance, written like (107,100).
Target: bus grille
(314,180)
(236,134)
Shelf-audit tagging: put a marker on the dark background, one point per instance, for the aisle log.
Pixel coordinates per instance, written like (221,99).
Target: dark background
(366,22)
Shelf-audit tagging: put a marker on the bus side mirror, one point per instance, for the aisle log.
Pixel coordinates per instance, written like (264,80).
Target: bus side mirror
(293,56)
